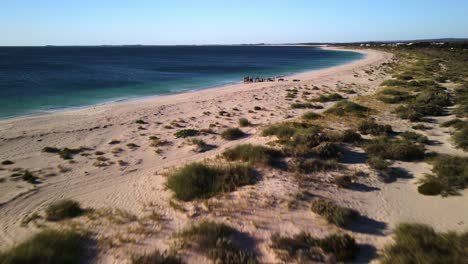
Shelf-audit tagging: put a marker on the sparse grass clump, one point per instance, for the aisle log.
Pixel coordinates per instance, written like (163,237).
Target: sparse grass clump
(311,116)
(244,122)
(348,108)
(156,257)
(395,149)
(304,106)
(371,127)
(456,123)
(27,176)
(393,96)
(333,213)
(316,165)
(232,133)
(305,248)
(184,133)
(219,242)
(430,102)
(415,137)
(48,246)
(63,210)
(327,150)
(417,243)
(199,180)
(460,137)
(65,153)
(254,154)
(344,181)
(7,162)
(329,98)
(450,176)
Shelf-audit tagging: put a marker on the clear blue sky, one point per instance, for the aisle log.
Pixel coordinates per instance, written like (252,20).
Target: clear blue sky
(95,22)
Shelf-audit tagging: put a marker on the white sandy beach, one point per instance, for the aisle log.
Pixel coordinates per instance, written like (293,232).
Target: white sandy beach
(138,187)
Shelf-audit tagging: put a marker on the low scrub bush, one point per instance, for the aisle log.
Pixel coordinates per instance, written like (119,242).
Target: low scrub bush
(311,116)
(328,98)
(305,106)
(156,257)
(333,213)
(456,123)
(305,248)
(348,136)
(217,241)
(415,137)
(199,180)
(430,102)
(316,165)
(244,122)
(254,154)
(369,126)
(344,181)
(232,134)
(7,162)
(348,108)
(184,133)
(417,243)
(327,150)
(395,149)
(450,176)
(63,210)
(393,96)
(460,137)
(48,246)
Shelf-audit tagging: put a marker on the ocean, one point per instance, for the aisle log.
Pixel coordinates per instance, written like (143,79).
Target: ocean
(35,80)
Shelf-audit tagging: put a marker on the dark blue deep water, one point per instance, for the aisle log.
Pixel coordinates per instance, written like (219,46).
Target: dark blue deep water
(40,79)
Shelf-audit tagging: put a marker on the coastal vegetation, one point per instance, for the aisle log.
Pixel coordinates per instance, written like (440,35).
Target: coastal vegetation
(232,133)
(63,209)
(49,246)
(417,243)
(219,242)
(333,213)
(253,154)
(203,180)
(303,247)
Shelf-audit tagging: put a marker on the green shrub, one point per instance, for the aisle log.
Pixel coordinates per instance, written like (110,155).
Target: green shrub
(450,175)
(344,247)
(50,150)
(329,98)
(395,149)
(348,108)
(217,241)
(393,96)
(184,133)
(254,154)
(460,137)
(199,180)
(156,257)
(27,176)
(63,209)
(394,82)
(349,136)
(316,165)
(48,246)
(369,126)
(244,122)
(304,248)
(377,163)
(304,106)
(457,123)
(417,243)
(333,213)
(232,134)
(327,150)
(415,137)
(344,181)
(7,162)
(420,127)
(430,102)
(311,116)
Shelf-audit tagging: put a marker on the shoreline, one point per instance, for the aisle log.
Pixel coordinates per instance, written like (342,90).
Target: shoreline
(117,101)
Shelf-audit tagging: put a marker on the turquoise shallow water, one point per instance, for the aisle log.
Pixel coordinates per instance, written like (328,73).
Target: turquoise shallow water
(41,79)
